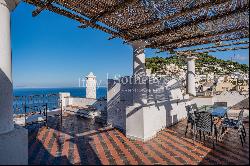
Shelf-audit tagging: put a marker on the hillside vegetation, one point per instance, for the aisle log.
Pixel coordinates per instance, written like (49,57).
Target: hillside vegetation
(210,63)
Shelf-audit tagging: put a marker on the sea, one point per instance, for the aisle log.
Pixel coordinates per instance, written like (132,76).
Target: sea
(18,105)
(75,91)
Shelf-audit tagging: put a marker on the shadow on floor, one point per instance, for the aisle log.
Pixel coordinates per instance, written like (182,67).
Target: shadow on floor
(81,141)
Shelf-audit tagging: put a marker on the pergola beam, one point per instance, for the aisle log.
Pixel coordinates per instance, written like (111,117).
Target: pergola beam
(207,40)
(226,49)
(68,14)
(181,12)
(219,46)
(112,9)
(197,36)
(40,9)
(194,22)
(191,35)
(149,27)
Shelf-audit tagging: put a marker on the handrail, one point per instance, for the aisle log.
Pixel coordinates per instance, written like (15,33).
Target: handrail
(37,104)
(34,101)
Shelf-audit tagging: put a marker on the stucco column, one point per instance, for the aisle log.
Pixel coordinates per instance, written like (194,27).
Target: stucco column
(139,73)
(191,75)
(6,88)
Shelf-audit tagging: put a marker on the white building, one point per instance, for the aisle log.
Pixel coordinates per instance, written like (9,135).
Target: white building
(146,105)
(91,86)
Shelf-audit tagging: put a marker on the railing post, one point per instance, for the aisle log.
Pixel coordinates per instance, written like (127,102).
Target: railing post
(46,114)
(25,107)
(61,111)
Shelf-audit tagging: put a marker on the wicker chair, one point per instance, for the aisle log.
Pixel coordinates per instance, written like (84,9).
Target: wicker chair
(236,124)
(36,114)
(204,124)
(190,117)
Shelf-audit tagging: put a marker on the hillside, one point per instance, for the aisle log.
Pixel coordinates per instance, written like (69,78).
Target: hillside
(204,64)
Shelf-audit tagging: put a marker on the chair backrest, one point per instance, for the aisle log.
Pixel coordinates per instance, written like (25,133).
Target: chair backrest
(194,107)
(190,113)
(240,117)
(220,104)
(203,121)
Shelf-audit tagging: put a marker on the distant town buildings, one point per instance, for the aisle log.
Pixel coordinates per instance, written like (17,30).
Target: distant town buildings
(207,82)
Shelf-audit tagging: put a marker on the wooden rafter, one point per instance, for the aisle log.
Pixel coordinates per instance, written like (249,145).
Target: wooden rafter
(178,25)
(199,35)
(76,10)
(40,9)
(206,40)
(72,16)
(195,22)
(181,12)
(223,32)
(226,49)
(219,46)
(112,9)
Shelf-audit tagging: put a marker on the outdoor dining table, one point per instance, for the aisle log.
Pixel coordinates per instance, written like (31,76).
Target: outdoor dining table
(218,113)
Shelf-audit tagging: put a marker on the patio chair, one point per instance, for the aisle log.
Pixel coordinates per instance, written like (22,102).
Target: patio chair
(35,114)
(204,123)
(195,107)
(190,117)
(236,124)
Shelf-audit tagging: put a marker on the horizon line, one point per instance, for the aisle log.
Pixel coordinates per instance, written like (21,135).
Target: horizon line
(55,87)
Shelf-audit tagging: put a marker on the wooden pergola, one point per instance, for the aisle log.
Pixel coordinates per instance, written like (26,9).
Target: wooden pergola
(165,24)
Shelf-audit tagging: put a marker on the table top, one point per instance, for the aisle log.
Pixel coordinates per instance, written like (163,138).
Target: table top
(218,111)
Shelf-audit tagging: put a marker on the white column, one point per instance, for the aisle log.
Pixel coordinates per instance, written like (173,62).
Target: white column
(91,86)
(64,97)
(191,75)
(139,73)
(6,88)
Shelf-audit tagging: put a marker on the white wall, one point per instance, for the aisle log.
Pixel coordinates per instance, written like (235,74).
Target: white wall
(134,121)
(165,106)
(81,102)
(231,98)
(118,98)
(63,98)
(201,101)
(14,147)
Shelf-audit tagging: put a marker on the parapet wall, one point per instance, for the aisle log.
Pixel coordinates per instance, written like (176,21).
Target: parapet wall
(231,98)
(67,100)
(165,106)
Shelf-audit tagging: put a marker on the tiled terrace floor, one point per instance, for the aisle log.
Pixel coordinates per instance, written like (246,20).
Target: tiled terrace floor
(78,141)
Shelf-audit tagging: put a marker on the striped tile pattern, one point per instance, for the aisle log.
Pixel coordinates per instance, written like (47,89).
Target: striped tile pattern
(81,142)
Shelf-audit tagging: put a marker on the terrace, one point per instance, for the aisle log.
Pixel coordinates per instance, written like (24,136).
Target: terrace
(82,141)
(166,26)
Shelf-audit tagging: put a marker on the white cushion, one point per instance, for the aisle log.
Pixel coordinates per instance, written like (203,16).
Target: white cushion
(35,118)
(54,112)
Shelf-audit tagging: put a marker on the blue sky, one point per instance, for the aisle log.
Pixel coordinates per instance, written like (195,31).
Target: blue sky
(50,51)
